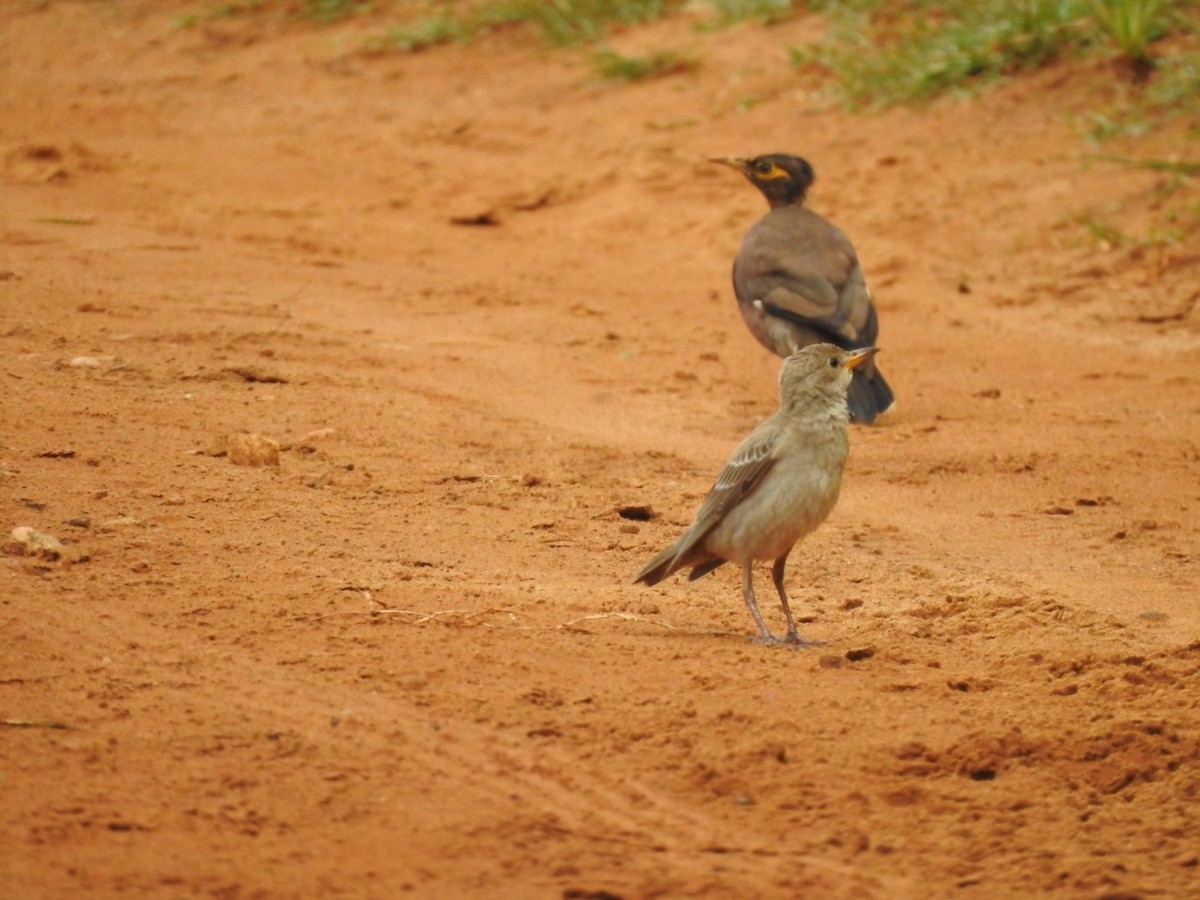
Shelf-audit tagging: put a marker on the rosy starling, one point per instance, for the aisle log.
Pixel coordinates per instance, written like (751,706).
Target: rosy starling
(780,484)
(798,281)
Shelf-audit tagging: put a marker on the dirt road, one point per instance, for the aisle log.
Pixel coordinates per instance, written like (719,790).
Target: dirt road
(480,303)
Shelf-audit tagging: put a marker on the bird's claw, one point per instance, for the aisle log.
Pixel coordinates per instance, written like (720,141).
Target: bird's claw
(788,640)
(795,640)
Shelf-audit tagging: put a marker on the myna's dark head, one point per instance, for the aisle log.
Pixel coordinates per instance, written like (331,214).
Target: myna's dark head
(783,179)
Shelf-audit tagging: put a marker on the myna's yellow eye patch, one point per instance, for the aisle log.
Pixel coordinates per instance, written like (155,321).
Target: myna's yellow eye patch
(768,171)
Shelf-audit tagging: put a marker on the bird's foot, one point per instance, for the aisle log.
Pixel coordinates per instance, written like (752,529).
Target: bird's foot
(794,640)
(791,639)
(767,639)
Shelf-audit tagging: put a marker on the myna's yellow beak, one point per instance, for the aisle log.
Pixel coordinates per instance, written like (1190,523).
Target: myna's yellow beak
(734,162)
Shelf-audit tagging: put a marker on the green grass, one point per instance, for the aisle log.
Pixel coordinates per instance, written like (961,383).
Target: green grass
(768,12)
(560,23)
(1173,197)
(427,31)
(875,52)
(331,10)
(1176,84)
(569,23)
(1106,126)
(610,64)
(573,22)
(1104,232)
(323,11)
(1171,93)
(883,53)
(1131,25)
(1172,167)
(219,11)
(889,55)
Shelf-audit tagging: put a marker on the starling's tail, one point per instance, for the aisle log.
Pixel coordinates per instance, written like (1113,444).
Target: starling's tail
(659,567)
(666,564)
(869,396)
(704,568)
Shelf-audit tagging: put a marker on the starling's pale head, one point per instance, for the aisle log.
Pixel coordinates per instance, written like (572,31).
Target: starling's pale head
(820,373)
(782,178)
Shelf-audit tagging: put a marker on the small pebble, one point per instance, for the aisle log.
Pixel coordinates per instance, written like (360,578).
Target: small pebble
(118,522)
(36,543)
(319,434)
(249,449)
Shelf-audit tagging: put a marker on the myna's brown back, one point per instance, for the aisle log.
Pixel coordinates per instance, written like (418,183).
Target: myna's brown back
(798,281)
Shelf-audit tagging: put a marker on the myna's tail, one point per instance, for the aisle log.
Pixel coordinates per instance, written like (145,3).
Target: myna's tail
(869,396)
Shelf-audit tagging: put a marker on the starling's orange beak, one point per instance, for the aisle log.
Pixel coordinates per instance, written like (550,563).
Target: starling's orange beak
(856,358)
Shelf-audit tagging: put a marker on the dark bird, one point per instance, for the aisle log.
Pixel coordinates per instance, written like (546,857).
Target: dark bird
(798,281)
(780,484)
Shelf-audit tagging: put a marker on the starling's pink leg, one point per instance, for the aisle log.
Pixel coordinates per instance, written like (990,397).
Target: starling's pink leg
(764,636)
(777,576)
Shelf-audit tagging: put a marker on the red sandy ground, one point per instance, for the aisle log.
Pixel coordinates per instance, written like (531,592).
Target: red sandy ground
(409,657)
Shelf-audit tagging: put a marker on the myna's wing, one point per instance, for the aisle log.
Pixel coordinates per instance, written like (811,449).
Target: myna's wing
(804,270)
(742,474)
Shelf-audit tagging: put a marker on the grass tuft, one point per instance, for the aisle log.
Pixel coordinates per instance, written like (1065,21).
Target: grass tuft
(323,11)
(1170,166)
(1131,25)
(428,31)
(882,60)
(330,10)
(614,66)
(768,12)
(573,22)
(560,23)
(879,52)
(883,53)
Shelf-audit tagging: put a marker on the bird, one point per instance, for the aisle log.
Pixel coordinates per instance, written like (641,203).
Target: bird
(781,482)
(798,281)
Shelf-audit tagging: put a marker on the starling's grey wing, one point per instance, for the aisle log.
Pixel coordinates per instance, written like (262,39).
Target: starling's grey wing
(745,470)
(742,474)
(804,270)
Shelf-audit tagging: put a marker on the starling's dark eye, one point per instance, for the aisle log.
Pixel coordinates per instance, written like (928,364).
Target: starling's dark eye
(763,167)
(833,362)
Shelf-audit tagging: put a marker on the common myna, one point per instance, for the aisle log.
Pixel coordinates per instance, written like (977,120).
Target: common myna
(780,484)
(798,281)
